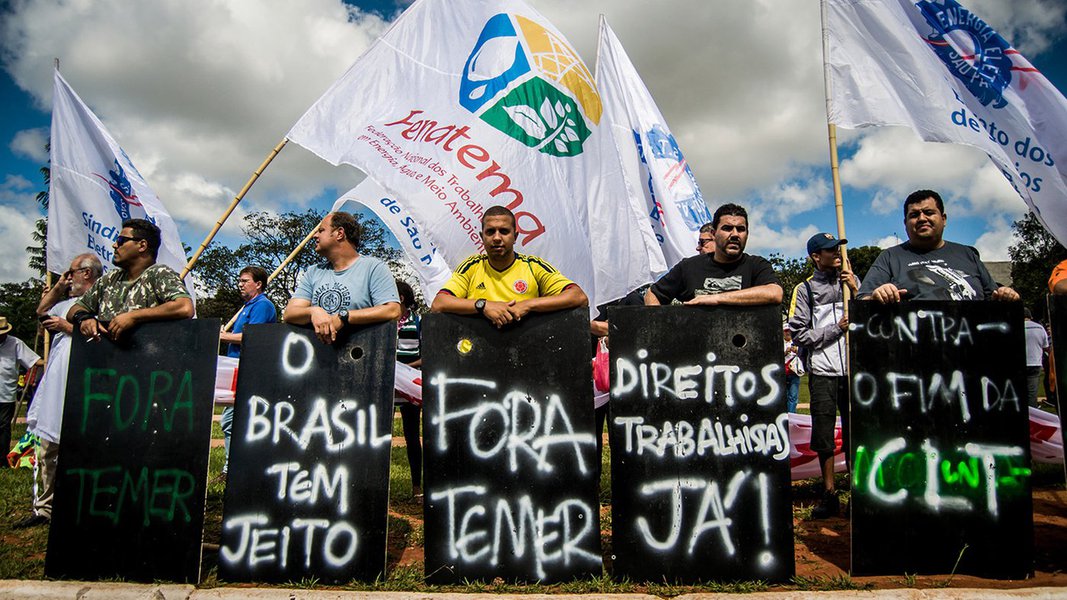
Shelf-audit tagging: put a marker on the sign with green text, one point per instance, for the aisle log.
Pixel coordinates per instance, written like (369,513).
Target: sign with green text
(130,487)
(940,440)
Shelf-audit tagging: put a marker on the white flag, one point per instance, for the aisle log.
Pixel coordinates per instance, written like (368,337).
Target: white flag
(940,69)
(94,188)
(668,190)
(465,105)
(430,268)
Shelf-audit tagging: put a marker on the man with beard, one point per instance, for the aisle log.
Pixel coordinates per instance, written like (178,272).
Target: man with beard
(502,285)
(140,290)
(45,416)
(928,267)
(349,289)
(726,276)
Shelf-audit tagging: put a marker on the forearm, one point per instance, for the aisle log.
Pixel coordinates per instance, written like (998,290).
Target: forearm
(227,337)
(598,328)
(447,303)
(572,297)
(651,299)
(179,308)
(770,293)
(389,311)
(298,312)
(50,299)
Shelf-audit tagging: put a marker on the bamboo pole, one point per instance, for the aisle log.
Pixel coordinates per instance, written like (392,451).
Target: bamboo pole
(832,138)
(47,334)
(237,199)
(288,259)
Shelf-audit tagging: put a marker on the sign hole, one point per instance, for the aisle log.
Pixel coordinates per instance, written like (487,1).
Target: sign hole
(464,346)
(740,340)
(357,353)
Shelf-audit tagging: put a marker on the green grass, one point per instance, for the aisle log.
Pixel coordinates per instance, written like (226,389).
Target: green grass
(828,584)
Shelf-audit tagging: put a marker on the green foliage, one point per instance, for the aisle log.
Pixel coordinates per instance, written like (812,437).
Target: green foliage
(1033,255)
(36,252)
(269,239)
(791,272)
(18,302)
(821,583)
(861,258)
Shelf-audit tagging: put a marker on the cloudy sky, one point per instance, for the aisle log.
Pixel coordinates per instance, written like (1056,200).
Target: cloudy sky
(198,92)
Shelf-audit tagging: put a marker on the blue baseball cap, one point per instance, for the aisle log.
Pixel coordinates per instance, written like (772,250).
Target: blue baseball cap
(823,241)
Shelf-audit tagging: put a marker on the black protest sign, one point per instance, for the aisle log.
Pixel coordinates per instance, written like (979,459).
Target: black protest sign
(511,474)
(130,487)
(1057,312)
(940,439)
(700,483)
(308,488)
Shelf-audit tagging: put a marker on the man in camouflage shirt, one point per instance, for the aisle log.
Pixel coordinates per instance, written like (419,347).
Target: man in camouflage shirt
(137,292)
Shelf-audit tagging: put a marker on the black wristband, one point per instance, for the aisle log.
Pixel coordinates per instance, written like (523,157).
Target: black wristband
(82,316)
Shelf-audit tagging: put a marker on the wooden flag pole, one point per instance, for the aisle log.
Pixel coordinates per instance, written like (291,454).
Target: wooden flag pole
(237,199)
(288,259)
(47,334)
(832,135)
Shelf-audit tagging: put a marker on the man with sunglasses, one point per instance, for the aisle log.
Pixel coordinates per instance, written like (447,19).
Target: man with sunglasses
(706,239)
(45,416)
(140,290)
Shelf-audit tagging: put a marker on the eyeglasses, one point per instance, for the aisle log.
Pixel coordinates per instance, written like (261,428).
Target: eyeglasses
(71,272)
(120,240)
(704,242)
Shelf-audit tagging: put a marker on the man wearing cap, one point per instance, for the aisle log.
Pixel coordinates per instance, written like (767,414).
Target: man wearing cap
(13,352)
(928,267)
(727,276)
(818,322)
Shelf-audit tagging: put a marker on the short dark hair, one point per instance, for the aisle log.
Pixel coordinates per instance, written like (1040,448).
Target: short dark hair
(728,210)
(407,295)
(259,275)
(348,223)
(498,211)
(707,228)
(920,195)
(147,231)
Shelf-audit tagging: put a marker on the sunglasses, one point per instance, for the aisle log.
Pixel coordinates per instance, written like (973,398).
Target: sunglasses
(71,272)
(120,240)
(704,242)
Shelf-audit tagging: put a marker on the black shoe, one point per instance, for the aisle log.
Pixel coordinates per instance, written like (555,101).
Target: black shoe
(32,521)
(828,507)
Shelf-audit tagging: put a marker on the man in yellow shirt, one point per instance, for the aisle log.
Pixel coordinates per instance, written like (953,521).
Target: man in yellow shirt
(502,285)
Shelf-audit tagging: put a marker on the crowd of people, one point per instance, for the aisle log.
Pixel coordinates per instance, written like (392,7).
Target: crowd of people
(350,289)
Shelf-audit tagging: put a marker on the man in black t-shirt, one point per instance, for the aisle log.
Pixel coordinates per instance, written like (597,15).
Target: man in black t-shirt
(726,277)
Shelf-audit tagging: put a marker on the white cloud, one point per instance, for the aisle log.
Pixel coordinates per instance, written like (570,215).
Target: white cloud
(198,92)
(889,241)
(16,227)
(30,143)
(994,242)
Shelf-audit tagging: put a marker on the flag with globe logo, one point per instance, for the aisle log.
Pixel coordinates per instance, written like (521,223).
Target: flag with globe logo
(465,105)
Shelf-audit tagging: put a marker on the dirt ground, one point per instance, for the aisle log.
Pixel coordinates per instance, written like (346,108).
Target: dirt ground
(822,548)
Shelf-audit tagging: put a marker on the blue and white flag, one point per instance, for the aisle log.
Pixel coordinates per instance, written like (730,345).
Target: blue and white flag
(938,68)
(429,266)
(94,188)
(660,179)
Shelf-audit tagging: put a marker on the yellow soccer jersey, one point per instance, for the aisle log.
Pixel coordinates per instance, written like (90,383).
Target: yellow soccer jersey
(528,277)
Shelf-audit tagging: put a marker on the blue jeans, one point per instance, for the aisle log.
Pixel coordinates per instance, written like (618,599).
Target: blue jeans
(792,392)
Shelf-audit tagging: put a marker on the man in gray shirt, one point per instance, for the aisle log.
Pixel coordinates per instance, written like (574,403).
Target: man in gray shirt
(928,267)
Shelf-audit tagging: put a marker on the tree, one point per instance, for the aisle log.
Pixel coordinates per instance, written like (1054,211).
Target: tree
(1033,255)
(40,234)
(269,240)
(18,302)
(791,272)
(861,258)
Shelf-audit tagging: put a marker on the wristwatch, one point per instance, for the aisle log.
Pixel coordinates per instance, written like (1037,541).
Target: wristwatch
(343,314)
(479,305)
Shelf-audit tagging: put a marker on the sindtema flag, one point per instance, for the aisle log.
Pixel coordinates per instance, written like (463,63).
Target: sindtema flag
(465,105)
(668,191)
(938,68)
(430,268)
(94,188)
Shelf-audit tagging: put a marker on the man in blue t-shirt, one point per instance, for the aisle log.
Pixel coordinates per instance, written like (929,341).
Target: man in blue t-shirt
(251,284)
(349,289)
